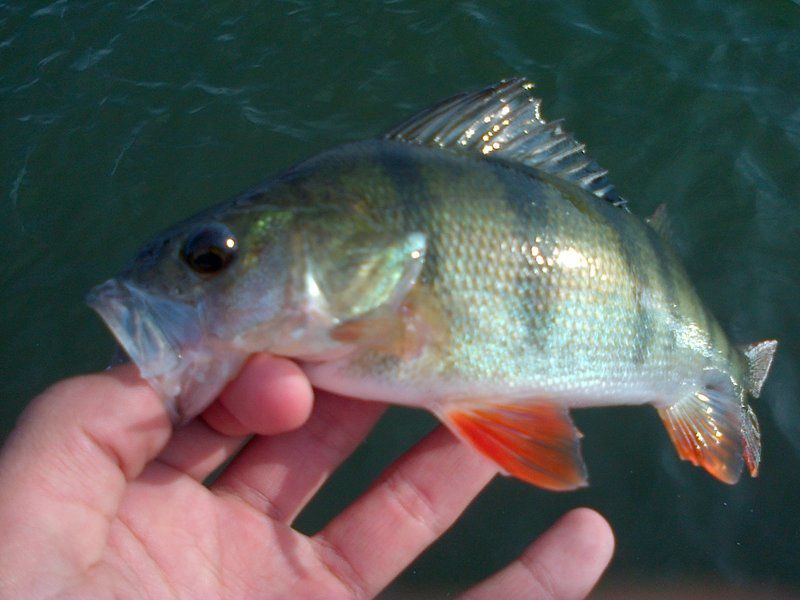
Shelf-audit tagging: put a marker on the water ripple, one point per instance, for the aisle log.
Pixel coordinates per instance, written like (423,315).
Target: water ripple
(58,8)
(90,58)
(213,90)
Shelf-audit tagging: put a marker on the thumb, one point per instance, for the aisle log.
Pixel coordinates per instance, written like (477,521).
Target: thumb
(64,468)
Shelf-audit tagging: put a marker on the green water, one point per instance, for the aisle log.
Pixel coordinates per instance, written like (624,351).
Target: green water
(118,119)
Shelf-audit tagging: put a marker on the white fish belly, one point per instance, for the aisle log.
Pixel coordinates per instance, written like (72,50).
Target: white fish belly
(429,392)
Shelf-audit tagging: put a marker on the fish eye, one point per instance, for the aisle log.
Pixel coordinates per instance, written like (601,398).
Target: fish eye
(210,248)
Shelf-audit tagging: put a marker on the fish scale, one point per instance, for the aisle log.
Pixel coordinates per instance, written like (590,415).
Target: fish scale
(474,262)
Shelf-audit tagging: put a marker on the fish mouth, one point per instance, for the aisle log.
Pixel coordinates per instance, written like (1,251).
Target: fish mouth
(166,340)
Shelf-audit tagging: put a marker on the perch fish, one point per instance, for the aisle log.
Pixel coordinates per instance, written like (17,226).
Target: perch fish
(474,262)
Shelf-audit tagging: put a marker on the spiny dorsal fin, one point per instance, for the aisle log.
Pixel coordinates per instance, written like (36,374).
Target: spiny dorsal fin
(504,120)
(759,359)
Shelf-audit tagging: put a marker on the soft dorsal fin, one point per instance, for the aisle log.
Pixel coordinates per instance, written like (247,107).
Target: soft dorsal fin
(660,222)
(504,120)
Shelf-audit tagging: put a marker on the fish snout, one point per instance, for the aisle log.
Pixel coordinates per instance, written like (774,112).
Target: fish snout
(166,340)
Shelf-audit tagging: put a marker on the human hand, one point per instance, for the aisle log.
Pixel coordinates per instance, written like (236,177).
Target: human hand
(100,497)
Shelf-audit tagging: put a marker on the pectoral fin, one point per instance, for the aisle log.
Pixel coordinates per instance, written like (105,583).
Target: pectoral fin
(403,331)
(385,331)
(537,443)
(711,431)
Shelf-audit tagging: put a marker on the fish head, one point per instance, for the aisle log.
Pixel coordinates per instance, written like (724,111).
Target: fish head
(202,296)
(179,309)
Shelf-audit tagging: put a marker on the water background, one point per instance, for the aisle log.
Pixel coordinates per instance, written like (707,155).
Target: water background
(118,118)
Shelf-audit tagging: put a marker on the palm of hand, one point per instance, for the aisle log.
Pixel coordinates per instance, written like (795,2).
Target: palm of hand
(98,497)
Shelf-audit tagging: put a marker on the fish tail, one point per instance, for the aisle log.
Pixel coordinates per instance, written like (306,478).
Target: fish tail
(759,358)
(751,437)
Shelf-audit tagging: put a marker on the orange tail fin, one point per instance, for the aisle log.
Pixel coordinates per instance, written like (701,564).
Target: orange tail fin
(537,443)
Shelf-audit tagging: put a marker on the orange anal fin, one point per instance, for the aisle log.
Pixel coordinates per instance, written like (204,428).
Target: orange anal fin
(537,443)
(710,431)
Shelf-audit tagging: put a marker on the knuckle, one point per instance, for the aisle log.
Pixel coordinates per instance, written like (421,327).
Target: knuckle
(340,567)
(413,501)
(541,577)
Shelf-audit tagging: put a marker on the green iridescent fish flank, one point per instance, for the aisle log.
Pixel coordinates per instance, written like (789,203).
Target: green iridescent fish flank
(523,265)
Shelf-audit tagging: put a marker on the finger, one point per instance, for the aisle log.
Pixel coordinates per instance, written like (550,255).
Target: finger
(112,418)
(410,506)
(278,475)
(269,396)
(197,449)
(566,562)
(65,467)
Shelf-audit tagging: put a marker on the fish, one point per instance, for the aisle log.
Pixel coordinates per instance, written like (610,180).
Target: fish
(474,261)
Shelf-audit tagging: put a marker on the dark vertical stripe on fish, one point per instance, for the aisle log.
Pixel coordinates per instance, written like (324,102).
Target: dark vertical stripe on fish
(666,280)
(405,173)
(632,246)
(519,193)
